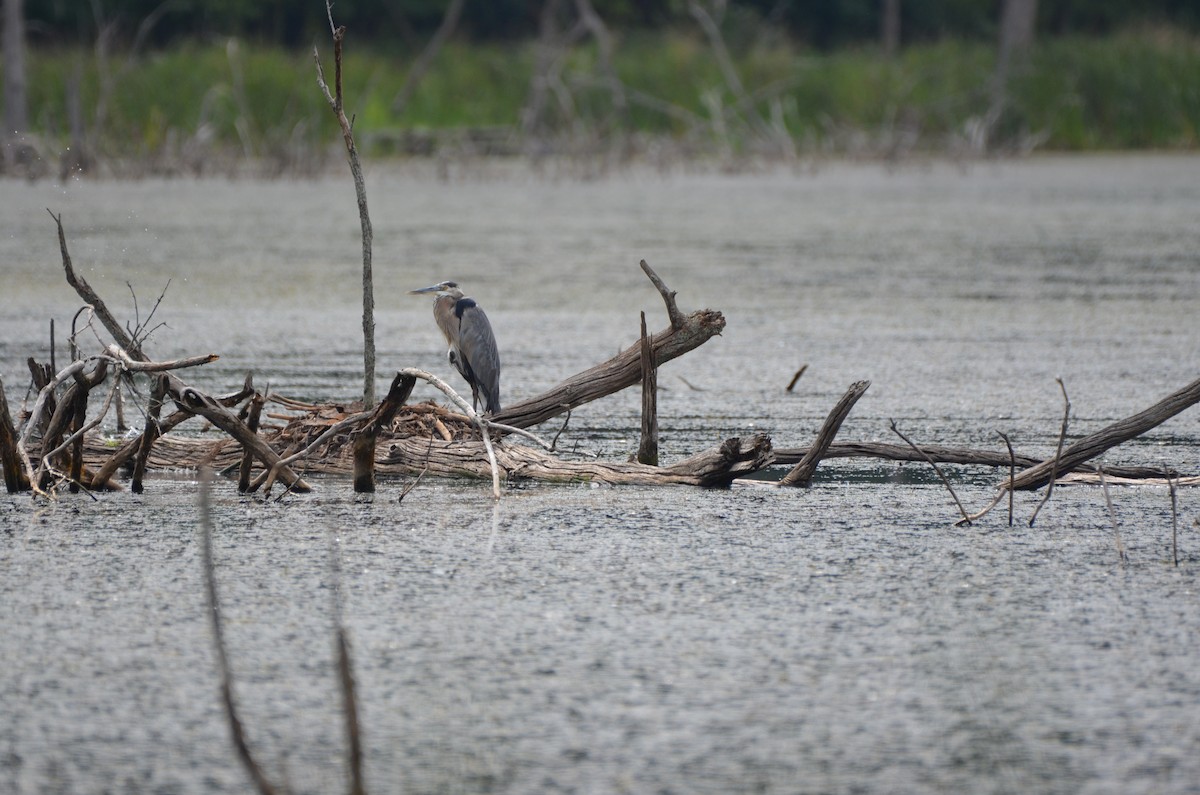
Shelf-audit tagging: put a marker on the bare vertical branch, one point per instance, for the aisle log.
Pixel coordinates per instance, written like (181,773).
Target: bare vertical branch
(152,431)
(345,669)
(595,25)
(1012,473)
(336,104)
(1174,519)
(648,449)
(890,27)
(14,477)
(253,417)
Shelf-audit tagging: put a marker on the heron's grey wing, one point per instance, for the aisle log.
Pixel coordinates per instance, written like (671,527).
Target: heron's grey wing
(477,348)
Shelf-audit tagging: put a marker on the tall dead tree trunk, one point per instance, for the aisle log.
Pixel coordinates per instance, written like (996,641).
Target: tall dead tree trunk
(360,188)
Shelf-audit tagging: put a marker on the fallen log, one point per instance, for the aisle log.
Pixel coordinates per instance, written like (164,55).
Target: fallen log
(1095,444)
(623,370)
(943,454)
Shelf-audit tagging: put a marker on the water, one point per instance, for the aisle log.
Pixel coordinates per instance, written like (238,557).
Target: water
(845,638)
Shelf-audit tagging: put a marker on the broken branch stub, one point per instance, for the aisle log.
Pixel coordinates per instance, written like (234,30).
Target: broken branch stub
(802,474)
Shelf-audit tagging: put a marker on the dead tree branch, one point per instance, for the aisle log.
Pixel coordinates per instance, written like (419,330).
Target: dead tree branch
(360,189)
(1095,444)
(802,473)
(621,371)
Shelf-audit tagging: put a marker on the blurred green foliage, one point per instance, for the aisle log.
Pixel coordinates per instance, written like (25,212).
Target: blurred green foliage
(1132,90)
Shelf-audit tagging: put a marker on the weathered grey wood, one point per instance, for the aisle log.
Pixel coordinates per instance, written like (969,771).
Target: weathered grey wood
(802,473)
(14,476)
(197,402)
(621,371)
(115,461)
(364,438)
(947,455)
(253,417)
(1095,444)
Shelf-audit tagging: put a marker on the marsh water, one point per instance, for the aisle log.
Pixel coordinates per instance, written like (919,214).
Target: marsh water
(843,638)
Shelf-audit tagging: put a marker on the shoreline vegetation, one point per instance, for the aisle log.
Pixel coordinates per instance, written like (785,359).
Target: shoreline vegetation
(231,107)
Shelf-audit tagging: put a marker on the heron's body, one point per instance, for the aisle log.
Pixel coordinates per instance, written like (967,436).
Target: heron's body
(473,350)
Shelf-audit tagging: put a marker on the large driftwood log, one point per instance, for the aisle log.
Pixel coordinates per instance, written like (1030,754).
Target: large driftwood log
(944,454)
(410,455)
(1095,444)
(623,370)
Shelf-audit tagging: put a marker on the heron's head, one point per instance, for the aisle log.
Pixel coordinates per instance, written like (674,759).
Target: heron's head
(441,288)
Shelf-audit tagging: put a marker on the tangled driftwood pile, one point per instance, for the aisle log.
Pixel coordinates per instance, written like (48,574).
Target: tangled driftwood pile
(56,444)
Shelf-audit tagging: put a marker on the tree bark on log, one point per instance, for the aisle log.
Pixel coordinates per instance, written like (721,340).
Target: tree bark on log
(364,438)
(14,477)
(131,448)
(193,400)
(1095,444)
(802,473)
(621,371)
(648,447)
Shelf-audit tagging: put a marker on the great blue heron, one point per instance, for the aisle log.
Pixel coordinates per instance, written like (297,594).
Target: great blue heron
(472,345)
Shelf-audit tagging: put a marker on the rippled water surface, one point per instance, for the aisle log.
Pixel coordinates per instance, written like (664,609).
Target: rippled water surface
(844,638)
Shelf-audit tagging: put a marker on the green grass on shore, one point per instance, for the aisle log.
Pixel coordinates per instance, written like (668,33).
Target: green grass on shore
(1132,91)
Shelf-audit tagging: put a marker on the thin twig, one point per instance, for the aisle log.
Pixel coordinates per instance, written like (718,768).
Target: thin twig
(1062,435)
(966,520)
(337,105)
(795,378)
(566,422)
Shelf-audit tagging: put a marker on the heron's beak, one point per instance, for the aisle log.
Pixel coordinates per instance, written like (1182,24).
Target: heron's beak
(432,289)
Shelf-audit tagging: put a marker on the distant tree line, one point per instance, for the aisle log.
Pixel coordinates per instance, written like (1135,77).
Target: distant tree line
(823,24)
